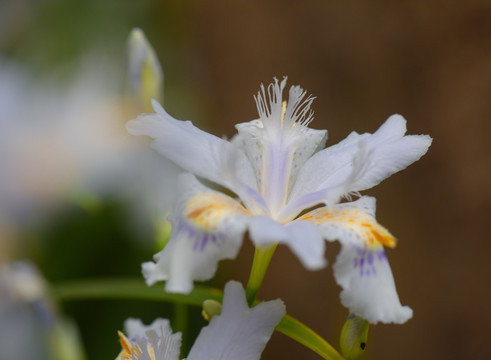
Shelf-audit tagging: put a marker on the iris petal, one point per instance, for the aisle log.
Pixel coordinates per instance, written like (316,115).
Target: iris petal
(239,333)
(207,226)
(362,268)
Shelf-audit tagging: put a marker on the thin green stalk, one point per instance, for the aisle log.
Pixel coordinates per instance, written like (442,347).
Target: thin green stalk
(262,258)
(180,323)
(301,333)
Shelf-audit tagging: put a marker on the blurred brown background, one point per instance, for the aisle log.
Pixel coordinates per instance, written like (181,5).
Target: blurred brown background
(364,60)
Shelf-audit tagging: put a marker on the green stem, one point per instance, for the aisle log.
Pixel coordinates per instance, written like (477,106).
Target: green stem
(262,258)
(180,323)
(301,333)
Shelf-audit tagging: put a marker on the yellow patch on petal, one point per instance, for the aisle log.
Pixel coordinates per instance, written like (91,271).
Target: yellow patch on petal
(283,112)
(355,220)
(151,351)
(206,210)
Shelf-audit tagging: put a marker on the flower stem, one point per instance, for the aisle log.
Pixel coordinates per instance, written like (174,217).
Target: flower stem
(180,323)
(262,257)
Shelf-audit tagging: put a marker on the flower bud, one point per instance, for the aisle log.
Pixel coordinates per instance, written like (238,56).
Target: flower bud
(353,339)
(145,73)
(211,308)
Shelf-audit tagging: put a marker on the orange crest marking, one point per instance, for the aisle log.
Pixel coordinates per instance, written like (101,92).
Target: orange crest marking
(205,210)
(356,221)
(130,351)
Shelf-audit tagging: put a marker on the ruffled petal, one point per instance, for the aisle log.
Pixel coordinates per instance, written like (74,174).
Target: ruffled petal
(302,238)
(362,268)
(239,333)
(194,150)
(152,342)
(207,226)
(389,152)
(368,285)
(392,152)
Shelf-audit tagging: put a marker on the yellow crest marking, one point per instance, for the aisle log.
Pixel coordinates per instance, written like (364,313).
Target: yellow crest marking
(355,220)
(125,344)
(283,112)
(205,210)
(130,351)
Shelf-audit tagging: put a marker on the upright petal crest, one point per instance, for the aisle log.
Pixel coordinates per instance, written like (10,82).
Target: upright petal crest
(152,342)
(279,142)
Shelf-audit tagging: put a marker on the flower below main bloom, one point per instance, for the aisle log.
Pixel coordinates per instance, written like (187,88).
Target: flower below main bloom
(238,333)
(277,168)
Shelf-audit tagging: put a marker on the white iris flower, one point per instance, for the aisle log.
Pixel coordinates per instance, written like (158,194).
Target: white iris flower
(238,333)
(277,168)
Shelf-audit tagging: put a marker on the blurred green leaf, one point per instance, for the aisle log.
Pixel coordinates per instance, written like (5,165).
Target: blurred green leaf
(129,289)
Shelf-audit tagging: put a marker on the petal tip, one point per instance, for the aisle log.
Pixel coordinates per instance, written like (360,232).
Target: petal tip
(157,107)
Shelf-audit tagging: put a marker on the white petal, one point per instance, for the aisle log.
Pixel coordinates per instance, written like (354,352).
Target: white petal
(239,333)
(276,163)
(301,237)
(155,339)
(368,285)
(343,181)
(207,226)
(194,150)
(390,151)
(324,164)
(391,158)
(361,269)
(134,327)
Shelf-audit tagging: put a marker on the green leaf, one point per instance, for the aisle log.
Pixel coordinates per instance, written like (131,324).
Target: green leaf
(307,337)
(129,289)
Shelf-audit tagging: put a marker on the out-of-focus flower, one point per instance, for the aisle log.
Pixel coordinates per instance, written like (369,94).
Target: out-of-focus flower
(238,333)
(65,140)
(278,170)
(29,325)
